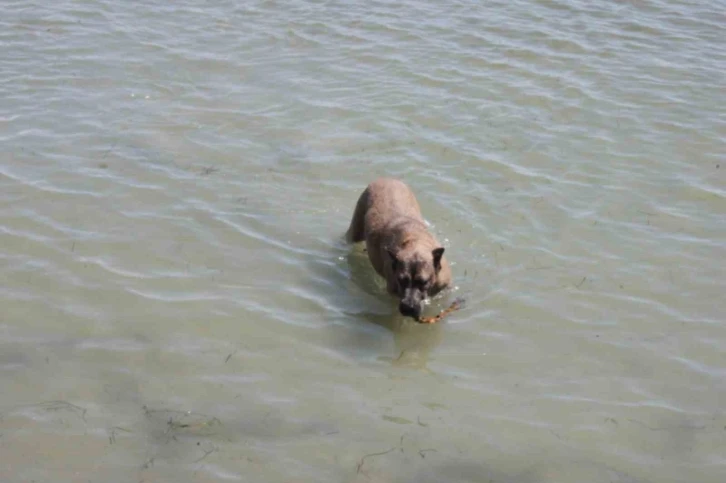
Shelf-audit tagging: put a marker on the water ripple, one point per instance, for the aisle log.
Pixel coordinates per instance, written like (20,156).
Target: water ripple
(176,181)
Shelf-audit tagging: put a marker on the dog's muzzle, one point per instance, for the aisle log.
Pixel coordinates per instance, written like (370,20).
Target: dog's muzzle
(410,309)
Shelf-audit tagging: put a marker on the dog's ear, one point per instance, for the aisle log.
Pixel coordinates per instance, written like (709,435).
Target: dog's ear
(394,260)
(437,253)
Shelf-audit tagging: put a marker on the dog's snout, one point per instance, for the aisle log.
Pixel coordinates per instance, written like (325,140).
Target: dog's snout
(409,310)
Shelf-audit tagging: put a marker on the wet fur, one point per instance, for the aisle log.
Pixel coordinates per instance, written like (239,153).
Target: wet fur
(400,247)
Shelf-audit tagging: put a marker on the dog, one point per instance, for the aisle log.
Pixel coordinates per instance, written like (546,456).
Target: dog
(400,247)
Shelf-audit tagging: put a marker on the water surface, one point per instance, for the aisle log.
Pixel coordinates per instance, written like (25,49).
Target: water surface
(176,302)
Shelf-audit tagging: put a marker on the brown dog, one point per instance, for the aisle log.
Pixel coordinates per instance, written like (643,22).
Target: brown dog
(400,247)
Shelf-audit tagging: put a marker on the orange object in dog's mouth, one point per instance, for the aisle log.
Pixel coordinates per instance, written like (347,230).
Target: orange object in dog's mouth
(455,305)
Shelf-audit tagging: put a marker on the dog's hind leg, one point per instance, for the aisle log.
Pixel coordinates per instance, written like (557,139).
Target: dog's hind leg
(356,231)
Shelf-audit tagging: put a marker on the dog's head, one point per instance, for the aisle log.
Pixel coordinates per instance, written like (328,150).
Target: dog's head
(415,275)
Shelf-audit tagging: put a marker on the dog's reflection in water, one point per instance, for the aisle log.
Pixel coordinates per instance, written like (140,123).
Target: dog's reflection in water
(414,342)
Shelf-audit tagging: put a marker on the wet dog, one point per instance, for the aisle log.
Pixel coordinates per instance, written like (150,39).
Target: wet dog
(400,247)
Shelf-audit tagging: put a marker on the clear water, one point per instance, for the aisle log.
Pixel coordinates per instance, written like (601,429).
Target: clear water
(176,302)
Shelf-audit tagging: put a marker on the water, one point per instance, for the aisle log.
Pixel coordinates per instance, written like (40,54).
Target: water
(177,302)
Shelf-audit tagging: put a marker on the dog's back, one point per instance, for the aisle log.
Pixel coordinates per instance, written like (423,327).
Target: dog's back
(384,201)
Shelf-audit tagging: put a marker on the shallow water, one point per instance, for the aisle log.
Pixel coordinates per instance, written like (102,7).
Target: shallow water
(177,303)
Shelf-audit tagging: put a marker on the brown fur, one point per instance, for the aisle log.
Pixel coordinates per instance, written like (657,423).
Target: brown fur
(400,247)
